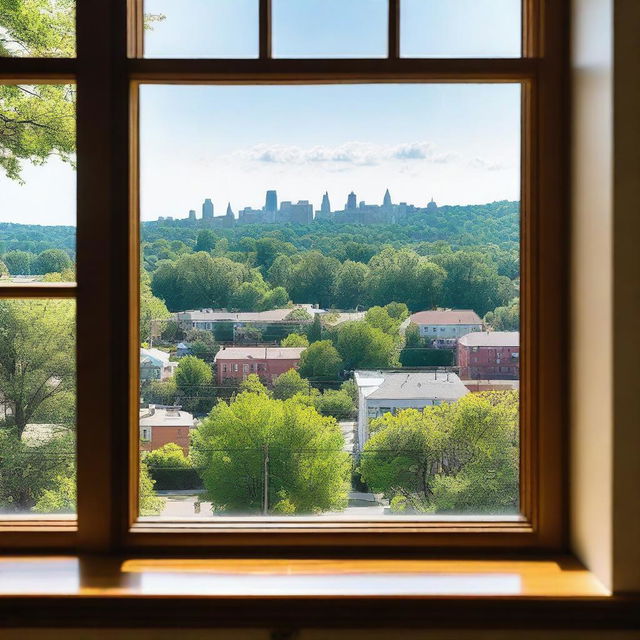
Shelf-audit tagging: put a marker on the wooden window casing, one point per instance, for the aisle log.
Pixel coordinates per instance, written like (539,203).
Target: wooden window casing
(108,70)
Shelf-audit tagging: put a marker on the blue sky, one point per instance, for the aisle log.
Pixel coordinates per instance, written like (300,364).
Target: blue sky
(457,143)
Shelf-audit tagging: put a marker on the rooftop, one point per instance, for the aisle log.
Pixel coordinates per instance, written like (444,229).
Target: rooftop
(160,416)
(395,385)
(491,339)
(217,315)
(259,353)
(155,354)
(446,316)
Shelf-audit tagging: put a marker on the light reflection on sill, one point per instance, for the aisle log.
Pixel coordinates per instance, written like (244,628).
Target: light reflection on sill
(396,584)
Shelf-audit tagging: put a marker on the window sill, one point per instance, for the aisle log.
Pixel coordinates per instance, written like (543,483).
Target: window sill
(109,591)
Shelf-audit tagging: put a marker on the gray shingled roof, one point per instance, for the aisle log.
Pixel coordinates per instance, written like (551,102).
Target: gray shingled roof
(417,385)
(491,339)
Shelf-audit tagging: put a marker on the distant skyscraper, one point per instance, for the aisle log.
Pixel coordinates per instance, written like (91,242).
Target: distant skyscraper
(432,206)
(325,207)
(352,202)
(271,202)
(192,214)
(207,209)
(387,199)
(229,213)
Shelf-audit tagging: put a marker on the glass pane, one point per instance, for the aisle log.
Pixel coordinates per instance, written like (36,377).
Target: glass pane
(201,28)
(461,28)
(329,310)
(37,183)
(330,28)
(37,407)
(37,28)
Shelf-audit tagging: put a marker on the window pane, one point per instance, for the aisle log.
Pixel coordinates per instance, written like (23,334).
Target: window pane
(37,29)
(461,28)
(37,183)
(201,28)
(329,311)
(37,407)
(330,28)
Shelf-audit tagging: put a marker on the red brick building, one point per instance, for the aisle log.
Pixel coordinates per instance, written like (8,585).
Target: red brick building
(493,355)
(160,425)
(236,363)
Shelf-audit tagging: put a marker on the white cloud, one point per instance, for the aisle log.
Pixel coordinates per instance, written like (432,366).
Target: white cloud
(361,154)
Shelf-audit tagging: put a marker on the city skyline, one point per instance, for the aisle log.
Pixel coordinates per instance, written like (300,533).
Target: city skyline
(209,209)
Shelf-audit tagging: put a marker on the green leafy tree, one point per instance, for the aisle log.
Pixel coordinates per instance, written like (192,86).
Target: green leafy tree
(280,272)
(253,384)
(36,122)
(315,330)
(460,457)
(3,270)
(19,263)
(171,469)
(362,346)
(287,384)
(154,314)
(320,361)
(256,442)
(206,241)
(30,469)
(193,379)
(402,275)
(313,278)
(337,403)
(149,504)
(247,297)
(295,340)
(202,344)
(277,298)
(379,318)
(37,356)
(60,498)
(196,281)
(505,318)
(472,282)
(351,285)
(397,310)
(52,261)
(163,393)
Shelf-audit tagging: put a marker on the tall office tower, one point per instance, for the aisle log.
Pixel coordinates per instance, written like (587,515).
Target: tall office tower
(352,202)
(192,214)
(207,209)
(386,203)
(325,207)
(271,202)
(229,218)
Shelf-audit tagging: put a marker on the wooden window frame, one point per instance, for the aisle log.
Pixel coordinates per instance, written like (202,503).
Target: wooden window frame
(108,71)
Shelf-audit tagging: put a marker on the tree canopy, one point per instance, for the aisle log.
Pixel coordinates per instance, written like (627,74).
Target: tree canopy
(256,439)
(460,457)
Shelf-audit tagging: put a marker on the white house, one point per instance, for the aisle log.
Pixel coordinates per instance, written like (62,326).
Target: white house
(155,365)
(447,324)
(381,392)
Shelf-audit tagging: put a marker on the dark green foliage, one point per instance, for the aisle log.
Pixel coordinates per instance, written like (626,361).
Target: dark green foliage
(425,357)
(171,469)
(52,261)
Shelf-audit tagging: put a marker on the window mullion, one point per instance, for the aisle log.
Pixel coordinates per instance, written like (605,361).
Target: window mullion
(101,236)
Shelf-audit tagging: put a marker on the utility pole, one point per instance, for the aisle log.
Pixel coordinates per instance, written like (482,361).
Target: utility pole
(265,489)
